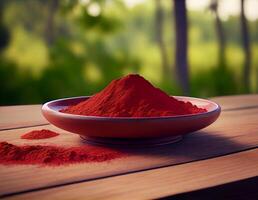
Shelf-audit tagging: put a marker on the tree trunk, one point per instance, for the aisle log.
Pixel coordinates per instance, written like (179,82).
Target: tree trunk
(159,21)
(4,32)
(247,50)
(220,33)
(181,45)
(50,23)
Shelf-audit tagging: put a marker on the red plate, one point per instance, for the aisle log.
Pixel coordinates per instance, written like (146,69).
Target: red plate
(130,127)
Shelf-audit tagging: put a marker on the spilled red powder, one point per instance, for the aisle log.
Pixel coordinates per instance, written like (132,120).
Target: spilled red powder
(39,134)
(54,155)
(132,96)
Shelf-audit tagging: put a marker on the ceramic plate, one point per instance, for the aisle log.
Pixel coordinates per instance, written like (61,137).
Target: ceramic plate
(129,128)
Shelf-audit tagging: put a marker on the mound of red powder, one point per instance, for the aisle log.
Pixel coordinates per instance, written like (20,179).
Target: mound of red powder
(132,96)
(39,134)
(54,155)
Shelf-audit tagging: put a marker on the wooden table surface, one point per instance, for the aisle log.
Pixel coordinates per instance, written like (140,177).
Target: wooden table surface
(222,155)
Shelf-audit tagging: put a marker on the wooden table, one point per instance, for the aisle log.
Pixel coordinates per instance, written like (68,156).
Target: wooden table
(215,160)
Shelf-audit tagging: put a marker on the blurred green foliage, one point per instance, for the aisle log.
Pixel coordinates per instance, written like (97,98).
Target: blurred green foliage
(97,41)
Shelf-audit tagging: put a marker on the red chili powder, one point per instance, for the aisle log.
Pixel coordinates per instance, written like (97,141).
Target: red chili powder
(132,96)
(54,155)
(39,134)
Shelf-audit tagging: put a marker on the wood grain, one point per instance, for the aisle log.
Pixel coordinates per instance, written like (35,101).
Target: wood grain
(234,131)
(241,189)
(159,183)
(20,116)
(237,101)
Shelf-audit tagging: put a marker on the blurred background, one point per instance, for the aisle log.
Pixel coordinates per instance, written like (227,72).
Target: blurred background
(60,48)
